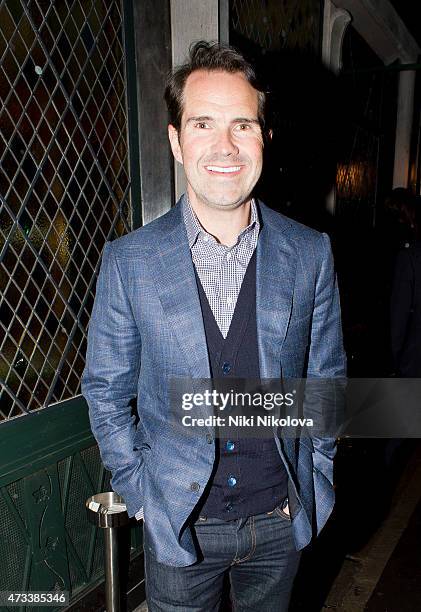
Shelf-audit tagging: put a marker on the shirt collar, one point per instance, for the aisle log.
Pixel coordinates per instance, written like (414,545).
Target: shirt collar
(194,228)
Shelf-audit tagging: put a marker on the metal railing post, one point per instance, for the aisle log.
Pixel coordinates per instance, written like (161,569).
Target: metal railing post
(108,511)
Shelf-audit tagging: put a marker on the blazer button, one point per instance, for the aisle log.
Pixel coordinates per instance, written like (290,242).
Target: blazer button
(195,486)
(232,481)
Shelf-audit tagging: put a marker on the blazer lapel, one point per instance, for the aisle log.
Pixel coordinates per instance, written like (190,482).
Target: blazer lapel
(275,279)
(176,285)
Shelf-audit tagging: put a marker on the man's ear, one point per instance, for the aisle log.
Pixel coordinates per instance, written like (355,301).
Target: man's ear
(267,137)
(175,144)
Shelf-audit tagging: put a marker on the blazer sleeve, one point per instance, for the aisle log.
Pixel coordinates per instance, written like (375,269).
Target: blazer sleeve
(326,366)
(110,378)
(326,354)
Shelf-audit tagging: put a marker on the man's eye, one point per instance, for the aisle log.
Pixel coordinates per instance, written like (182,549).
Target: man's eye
(201,125)
(243,126)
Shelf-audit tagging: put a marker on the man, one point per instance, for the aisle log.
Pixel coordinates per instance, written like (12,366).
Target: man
(219,286)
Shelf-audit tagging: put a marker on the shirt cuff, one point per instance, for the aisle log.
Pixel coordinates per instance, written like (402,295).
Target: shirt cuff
(139,514)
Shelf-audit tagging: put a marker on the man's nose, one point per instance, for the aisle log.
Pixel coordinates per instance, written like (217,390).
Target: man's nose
(226,144)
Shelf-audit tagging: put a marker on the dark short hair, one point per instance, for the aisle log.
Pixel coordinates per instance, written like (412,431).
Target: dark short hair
(210,56)
(401,206)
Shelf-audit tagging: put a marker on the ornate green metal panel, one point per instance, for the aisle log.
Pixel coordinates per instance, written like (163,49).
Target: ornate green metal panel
(48,542)
(50,571)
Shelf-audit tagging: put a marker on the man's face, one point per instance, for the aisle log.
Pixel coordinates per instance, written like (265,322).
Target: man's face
(220,142)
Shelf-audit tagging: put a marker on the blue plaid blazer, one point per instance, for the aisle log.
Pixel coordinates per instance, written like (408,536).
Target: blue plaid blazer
(146,327)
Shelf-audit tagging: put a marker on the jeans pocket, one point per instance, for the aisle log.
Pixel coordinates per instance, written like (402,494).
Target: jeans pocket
(281,513)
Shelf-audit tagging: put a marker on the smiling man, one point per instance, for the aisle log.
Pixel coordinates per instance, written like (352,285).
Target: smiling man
(219,142)
(220,286)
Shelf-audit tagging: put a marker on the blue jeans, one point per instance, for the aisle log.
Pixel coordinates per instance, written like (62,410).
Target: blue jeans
(258,552)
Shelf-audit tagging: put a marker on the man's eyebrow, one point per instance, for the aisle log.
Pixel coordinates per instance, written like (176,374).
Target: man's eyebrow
(236,120)
(245,120)
(200,118)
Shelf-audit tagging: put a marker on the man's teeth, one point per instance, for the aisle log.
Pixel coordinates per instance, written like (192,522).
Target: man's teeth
(223,170)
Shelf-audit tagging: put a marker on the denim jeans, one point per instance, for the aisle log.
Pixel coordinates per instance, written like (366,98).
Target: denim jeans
(258,552)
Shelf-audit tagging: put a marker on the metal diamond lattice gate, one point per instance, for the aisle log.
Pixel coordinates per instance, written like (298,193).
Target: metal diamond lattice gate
(64,184)
(276,24)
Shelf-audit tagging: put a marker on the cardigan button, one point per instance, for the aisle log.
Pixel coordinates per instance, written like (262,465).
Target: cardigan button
(226,367)
(230,445)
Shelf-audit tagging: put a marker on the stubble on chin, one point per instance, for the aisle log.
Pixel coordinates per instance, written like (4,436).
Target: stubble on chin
(214,202)
(221,205)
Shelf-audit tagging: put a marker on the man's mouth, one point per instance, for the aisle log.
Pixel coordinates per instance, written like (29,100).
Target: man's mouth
(223,169)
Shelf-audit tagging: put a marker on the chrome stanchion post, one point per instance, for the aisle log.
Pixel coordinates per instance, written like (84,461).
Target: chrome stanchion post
(108,511)
(112,578)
